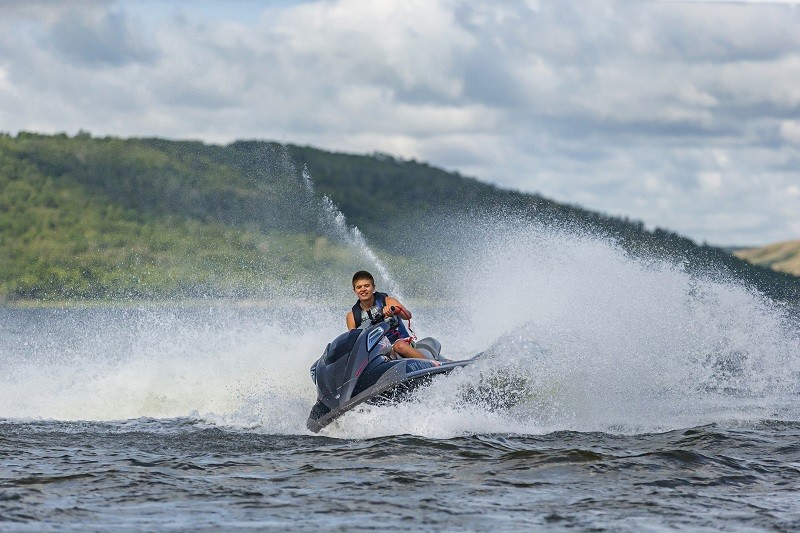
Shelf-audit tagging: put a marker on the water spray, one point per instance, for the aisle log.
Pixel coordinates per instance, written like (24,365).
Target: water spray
(333,220)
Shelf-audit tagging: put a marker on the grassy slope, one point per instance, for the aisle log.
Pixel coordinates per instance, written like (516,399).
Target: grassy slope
(782,256)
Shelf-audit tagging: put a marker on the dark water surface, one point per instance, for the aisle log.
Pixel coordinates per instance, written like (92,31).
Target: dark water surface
(184,474)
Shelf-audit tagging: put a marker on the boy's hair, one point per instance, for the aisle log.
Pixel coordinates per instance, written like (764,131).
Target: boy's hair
(362,274)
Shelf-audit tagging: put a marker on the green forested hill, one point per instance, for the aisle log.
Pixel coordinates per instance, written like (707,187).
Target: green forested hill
(84,217)
(88,218)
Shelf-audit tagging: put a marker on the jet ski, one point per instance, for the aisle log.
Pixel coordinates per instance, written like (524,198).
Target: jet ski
(354,369)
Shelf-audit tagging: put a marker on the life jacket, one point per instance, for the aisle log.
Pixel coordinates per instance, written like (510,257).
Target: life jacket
(359,314)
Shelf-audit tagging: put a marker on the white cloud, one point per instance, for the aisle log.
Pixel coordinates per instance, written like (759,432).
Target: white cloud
(710,182)
(670,112)
(790,131)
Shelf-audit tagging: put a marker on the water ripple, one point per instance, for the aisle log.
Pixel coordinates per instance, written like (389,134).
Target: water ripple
(171,473)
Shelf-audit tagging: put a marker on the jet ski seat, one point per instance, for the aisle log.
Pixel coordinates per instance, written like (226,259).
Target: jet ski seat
(430,348)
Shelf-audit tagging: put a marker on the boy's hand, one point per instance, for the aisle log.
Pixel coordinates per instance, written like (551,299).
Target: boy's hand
(396,310)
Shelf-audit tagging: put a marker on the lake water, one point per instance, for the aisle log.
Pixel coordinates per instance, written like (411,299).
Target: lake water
(186,474)
(645,398)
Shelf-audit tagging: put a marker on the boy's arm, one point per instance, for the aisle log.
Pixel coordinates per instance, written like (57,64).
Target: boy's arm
(404,313)
(351,322)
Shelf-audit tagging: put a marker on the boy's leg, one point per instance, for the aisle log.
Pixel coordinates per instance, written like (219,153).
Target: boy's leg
(404,349)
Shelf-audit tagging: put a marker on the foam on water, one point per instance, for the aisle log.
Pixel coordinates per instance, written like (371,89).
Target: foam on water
(111,364)
(577,333)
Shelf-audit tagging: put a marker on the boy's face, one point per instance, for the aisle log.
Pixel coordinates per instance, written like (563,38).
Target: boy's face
(364,289)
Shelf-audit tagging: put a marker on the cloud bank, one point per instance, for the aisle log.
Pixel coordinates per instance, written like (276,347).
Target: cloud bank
(685,115)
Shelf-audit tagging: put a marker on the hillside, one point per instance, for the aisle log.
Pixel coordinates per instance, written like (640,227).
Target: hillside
(84,217)
(782,256)
(98,218)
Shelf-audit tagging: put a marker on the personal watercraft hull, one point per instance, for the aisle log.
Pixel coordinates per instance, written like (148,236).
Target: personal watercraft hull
(393,386)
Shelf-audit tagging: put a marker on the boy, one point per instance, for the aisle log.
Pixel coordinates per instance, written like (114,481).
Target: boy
(371,304)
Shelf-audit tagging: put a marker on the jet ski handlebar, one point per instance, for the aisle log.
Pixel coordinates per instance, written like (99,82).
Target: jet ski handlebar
(392,319)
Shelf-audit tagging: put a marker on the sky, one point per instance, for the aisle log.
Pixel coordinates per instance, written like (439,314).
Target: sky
(682,114)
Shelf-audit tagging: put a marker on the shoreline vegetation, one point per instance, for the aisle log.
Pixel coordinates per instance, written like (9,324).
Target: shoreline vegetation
(100,220)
